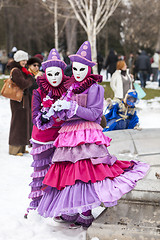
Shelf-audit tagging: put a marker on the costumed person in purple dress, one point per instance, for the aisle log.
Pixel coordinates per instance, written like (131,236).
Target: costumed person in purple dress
(83,174)
(45,128)
(122,114)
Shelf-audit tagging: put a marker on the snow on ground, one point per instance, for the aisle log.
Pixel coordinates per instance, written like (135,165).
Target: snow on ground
(14,189)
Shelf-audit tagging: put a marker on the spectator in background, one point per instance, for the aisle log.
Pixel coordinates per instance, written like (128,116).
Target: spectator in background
(131,63)
(19,135)
(99,62)
(68,69)
(121,80)
(111,62)
(4,60)
(66,58)
(34,64)
(13,51)
(155,66)
(41,57)
(143,66)
(159,71)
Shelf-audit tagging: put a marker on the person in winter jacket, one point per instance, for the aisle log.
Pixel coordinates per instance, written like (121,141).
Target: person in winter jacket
(143,67)
(19,135)
(121,80)
(122,113)
(33,65)
(51,86)
(155,66)
(83,174)
(111,62)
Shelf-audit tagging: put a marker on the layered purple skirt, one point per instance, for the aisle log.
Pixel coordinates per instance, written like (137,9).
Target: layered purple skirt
(42,157)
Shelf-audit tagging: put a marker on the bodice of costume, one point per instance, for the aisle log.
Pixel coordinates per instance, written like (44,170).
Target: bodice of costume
(46,134)
(90,105)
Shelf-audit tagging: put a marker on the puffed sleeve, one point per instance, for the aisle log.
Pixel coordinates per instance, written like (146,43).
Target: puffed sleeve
(36,105)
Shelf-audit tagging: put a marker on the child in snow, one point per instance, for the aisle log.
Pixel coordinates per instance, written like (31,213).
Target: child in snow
(83,174)
(45,129)
(122,113)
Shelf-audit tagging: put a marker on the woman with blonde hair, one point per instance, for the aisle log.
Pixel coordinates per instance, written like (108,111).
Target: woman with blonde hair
(121,80)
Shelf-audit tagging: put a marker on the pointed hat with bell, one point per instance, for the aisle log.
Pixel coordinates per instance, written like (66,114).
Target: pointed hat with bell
(83,55)
(53,60)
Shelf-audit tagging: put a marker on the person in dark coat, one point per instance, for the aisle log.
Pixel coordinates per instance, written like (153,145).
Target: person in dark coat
(19,135)
(143,67)
(34,64)
(111,62)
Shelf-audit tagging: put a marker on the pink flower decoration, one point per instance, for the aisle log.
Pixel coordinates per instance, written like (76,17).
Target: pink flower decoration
(47,103)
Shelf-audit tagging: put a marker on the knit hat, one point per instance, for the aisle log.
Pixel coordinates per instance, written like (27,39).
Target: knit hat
(33,60)
(20,56)
(53,60)
(120,64)
(83,55)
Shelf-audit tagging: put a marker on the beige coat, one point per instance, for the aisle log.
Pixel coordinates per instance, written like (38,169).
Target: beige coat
(116,83)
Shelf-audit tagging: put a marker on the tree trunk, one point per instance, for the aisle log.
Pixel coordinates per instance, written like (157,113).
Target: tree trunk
(92,39)
(71,35)
(56,25)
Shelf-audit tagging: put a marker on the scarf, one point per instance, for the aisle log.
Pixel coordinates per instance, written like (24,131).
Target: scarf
(33,72)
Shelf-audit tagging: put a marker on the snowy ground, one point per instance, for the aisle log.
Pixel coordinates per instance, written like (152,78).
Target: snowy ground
(15,177)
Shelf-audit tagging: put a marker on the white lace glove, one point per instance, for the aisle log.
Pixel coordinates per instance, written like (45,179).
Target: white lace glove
(49,113)
(61,104)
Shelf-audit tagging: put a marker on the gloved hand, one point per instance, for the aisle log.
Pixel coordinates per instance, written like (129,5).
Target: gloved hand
(46,115)
(44,118)
(61,104)
(50,112)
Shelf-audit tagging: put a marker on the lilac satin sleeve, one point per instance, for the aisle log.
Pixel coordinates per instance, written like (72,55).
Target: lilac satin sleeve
(36,105)
(94,109)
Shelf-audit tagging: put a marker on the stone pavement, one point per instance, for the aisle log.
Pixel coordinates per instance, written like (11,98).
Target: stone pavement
(137,214)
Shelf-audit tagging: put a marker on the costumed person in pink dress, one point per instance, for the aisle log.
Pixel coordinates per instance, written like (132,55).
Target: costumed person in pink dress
(83,173)
(45,128)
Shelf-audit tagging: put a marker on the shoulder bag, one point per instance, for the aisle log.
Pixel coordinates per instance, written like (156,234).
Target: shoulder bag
(11,90)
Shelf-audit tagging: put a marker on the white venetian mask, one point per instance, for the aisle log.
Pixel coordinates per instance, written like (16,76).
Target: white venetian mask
(79,71)
(54,75)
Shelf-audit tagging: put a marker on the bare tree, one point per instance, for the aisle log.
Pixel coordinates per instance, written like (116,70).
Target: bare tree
(64,19)
(141,28)
(93,15)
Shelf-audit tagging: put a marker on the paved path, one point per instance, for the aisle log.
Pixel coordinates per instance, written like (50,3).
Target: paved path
(137,214)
